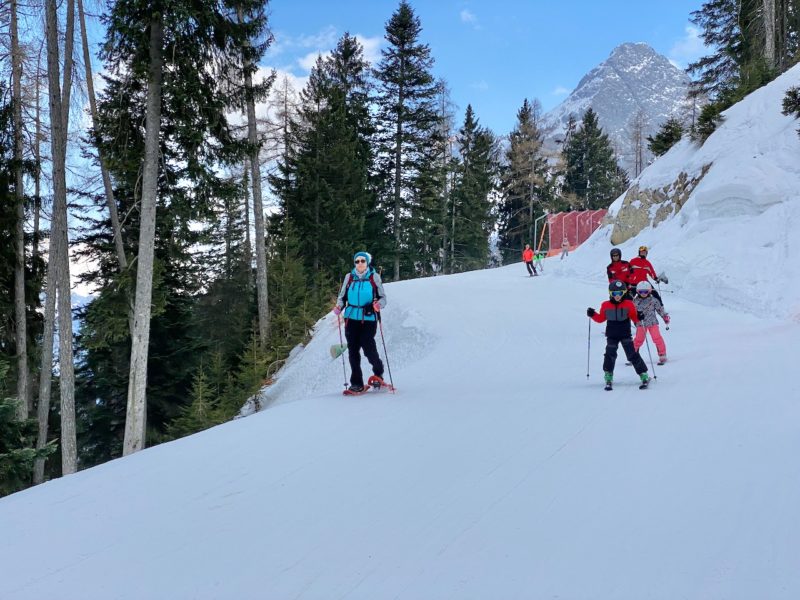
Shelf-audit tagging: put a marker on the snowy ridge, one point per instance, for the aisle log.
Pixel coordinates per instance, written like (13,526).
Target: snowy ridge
(498,470)
(742,219)
(634,77)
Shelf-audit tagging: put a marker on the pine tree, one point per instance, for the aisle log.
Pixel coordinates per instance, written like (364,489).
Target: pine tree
(470,202)
(791,103)
(591,170)
(406,125)
(17,440)
(669,134)
(523,179)
(199,414)
(202,50)
(324,183)
(752,41)
(710,116)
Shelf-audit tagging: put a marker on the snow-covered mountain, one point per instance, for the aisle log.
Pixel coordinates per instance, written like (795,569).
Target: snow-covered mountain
(633,78)
(500,469)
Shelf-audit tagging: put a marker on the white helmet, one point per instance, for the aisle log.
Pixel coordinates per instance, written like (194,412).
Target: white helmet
(644,286)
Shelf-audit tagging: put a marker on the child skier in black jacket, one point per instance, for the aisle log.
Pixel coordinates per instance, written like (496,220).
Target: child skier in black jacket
(618,312)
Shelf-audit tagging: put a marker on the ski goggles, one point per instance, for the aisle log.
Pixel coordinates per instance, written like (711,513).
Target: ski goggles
(617,293)
(643,292)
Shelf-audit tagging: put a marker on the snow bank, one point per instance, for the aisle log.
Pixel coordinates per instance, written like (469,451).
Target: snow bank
(741,221)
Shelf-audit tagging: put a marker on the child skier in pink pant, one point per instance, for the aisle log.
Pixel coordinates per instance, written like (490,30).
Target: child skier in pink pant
(649,305)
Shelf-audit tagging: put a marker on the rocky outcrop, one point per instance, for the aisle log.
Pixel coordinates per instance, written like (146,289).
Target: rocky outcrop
(643,208)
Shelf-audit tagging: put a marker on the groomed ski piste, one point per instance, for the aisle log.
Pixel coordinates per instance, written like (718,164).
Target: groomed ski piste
(498,470)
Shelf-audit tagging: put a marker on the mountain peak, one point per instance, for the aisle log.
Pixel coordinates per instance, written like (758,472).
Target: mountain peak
(633,79)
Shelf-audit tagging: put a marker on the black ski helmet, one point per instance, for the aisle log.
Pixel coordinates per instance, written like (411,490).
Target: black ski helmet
(617,286)
(616,251)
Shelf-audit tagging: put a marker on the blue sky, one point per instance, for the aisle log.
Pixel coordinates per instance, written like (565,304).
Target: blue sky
(492,54)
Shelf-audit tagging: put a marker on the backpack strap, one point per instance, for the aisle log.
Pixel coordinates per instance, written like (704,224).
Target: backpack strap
(375,294)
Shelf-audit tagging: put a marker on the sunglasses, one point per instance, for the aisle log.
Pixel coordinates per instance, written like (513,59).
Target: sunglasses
(361,260)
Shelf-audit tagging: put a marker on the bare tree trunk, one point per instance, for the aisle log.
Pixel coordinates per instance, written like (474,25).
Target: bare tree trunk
(112,206)
(262,290)
(20,320)
(769,33)
(46,368)
(37,157)
(136,418)
(46,372)
(59,115)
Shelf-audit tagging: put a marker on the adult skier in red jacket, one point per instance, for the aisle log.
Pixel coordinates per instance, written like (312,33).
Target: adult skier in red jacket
(641,269)
(618,269)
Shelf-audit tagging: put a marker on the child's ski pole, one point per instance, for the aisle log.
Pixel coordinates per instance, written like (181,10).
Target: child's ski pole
(588,348)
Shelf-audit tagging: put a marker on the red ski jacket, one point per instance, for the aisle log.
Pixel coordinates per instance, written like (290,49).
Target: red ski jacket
(527,255)
(618,317)
(619,270)
(640,269)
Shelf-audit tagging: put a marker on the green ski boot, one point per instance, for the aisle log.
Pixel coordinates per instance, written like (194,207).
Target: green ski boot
(609,378)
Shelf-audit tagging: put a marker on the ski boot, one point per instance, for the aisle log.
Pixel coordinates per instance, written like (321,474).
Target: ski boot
(355,390)
(645,381)
(609,379)
(662,358)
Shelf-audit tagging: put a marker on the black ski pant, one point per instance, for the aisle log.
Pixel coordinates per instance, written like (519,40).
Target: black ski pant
(361,336)
(531,268)
(631,353)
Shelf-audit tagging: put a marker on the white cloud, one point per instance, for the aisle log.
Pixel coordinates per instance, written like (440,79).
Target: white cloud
(372,47)
(687,49)
(468,17)
(309,60)
(479,85)
(324,39)
(560,90)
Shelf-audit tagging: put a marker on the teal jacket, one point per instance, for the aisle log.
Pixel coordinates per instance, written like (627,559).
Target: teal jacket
(361,295)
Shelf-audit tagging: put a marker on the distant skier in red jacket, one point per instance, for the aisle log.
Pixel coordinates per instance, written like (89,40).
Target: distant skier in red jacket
(617,313)
(527,257)
(640,270)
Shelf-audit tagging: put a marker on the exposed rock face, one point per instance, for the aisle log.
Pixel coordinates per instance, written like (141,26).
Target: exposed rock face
(634,78)
(643,208)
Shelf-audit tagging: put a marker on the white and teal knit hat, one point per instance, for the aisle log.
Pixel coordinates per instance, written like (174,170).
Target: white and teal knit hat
(365,254)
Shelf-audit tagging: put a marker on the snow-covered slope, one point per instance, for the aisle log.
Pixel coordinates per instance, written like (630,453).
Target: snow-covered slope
(499,470)
(633,78)
(735,239)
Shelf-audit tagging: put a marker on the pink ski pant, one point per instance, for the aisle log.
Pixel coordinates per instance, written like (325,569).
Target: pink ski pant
(655,335)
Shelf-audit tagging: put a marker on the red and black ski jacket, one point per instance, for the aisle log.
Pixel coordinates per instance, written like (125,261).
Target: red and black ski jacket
(619,270)
(618,317)
(641,269)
